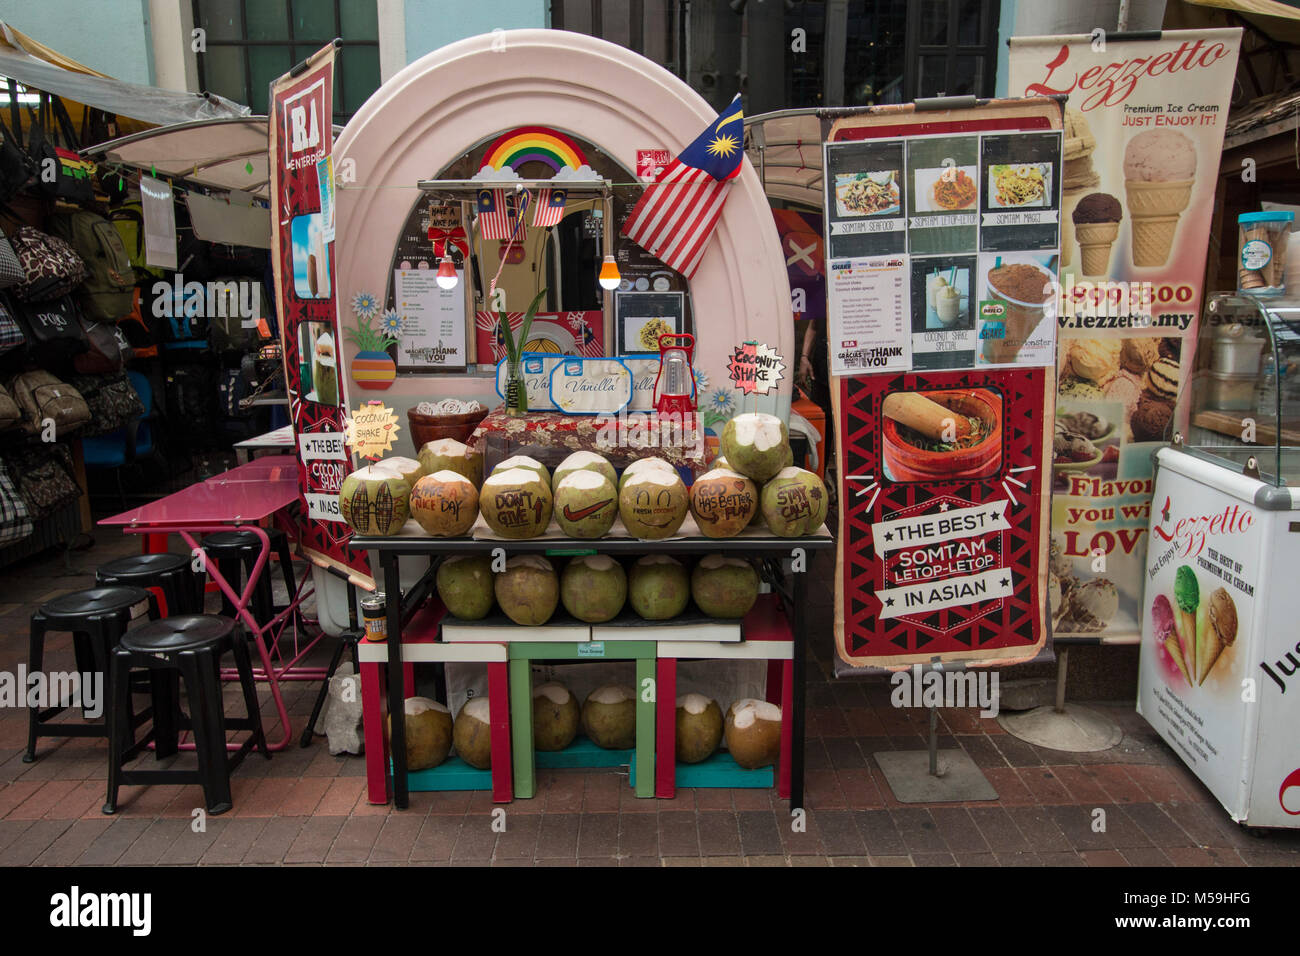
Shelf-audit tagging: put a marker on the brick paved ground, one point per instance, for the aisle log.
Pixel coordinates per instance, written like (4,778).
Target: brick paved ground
(306,807)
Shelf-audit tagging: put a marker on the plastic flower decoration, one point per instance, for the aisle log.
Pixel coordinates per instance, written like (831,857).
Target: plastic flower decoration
(722,403)
(365,304)
(391,324)
(367,338)
(701,378)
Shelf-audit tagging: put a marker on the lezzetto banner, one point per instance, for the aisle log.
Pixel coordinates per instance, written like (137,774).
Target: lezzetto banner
(1144,126)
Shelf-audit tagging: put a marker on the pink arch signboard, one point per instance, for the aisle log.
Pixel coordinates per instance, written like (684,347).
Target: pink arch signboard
(470,93)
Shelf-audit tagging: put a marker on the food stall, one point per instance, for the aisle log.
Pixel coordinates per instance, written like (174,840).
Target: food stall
(1219,649)
(468,306)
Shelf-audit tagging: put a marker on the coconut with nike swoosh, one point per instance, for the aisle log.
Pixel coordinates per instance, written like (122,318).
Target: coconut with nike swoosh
(585,504)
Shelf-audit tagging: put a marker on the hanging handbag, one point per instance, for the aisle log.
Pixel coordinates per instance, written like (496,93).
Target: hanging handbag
(53,329)
(61,172)
(11,333)
(16,166)
(11,270)
(15,517)
(50,266)
(106,349)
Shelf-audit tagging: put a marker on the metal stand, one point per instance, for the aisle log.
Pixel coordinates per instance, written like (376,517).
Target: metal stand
(1072,729)
(934,775)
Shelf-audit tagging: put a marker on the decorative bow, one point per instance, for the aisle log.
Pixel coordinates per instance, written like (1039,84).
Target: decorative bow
(441,237)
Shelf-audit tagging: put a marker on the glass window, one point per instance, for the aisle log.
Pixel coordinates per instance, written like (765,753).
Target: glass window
(268,20)
(221,19)
(359,20)
(360,76)
(314,20)
(265,63)
(224,69)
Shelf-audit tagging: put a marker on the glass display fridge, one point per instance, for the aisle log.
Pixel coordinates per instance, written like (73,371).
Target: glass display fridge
(1220,663)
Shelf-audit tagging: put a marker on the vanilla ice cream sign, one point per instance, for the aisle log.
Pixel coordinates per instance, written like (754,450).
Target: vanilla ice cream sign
(1144,125)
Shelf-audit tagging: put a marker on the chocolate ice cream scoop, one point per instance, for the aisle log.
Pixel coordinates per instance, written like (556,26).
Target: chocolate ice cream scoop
(1223,615)
(1098,207)
(1137,355)
(1151,418)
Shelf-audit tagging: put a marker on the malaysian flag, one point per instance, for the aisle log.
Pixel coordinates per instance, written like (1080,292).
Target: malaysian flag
(497,214)
(674,219)
(549,208)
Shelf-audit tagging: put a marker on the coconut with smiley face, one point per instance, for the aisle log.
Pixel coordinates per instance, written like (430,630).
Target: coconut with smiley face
(652,503)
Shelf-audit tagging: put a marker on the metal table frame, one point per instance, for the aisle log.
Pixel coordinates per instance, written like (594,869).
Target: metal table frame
(772,550)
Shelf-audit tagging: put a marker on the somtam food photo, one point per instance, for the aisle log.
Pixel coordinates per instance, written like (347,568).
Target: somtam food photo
(953,433)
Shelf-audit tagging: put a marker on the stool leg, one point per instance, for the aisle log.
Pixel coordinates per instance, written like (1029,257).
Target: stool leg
(244,664)
(203,683)
(666,729)
(499,715)
(35,663)
(119,726)
(172,587)
(372,725)
(232,570)
(165,686)
(286,566)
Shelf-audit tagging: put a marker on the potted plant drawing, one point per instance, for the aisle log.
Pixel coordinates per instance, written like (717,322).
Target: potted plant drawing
(374,334)
(516,393)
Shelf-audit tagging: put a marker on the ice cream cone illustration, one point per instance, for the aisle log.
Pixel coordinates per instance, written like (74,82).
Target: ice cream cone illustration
(1159,172)
(1077,175)
(1096,225)
(1176,652)
(1220,633)
(1187,598)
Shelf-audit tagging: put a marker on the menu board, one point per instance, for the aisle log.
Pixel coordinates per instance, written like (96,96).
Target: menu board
(963,232)
(941,281)
(433,321)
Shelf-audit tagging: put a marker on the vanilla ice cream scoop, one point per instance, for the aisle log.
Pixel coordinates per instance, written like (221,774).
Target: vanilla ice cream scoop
(1160,156)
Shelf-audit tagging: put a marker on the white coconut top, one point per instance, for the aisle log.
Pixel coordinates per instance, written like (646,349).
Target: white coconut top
(597,562)
(376,472)
(420,705)
(664,479)
(612,694)
(758,429)
(403,464)
(720,473)
(448,447)
(658,559)
(557,694)
(518,461)
(447,475)
(749,710)
(694,704)
(711,562)
(790,471)
(583,480)
(478,708)
(511,476)
(529,561)
(641,464)
(581,459)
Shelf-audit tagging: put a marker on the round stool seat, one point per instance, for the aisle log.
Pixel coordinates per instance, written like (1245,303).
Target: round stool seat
(231,543)
(100,600)
(173,635)
(143,566)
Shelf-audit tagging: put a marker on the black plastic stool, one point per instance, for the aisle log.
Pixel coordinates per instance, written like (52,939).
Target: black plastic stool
(187,647)
(170,573)
(97,618)
(235,553)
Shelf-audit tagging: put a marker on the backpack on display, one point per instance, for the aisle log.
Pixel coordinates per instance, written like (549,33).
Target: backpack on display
(61,173)
(11,416)
(11,331)
(11,270)
(107,349)
(231,388)
(15,517)
(43,398)
(44,476)
(106,293)
(226,329)
(128,219)
(112,399)
(190,392)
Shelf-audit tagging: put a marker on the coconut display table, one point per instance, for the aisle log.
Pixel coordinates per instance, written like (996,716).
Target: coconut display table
(776,554)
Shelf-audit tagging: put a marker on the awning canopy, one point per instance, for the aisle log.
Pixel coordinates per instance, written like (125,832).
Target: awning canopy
(35,65)
(786,148)
(220,153)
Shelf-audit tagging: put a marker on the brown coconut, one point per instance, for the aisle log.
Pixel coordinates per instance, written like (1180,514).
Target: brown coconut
(723,502)
(652,504)
(516,503)
(444,503)
(609,717)
(753,733)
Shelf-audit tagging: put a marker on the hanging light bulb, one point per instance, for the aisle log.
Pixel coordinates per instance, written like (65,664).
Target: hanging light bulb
(609,276)
(447,277)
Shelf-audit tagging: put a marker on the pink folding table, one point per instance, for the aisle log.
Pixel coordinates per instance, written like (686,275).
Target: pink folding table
(238,499)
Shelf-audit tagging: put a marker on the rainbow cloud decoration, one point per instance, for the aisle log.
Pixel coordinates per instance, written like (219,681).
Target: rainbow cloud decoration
(534,143)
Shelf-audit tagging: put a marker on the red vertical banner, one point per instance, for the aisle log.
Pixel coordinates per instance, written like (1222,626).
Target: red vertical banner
(303,251)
